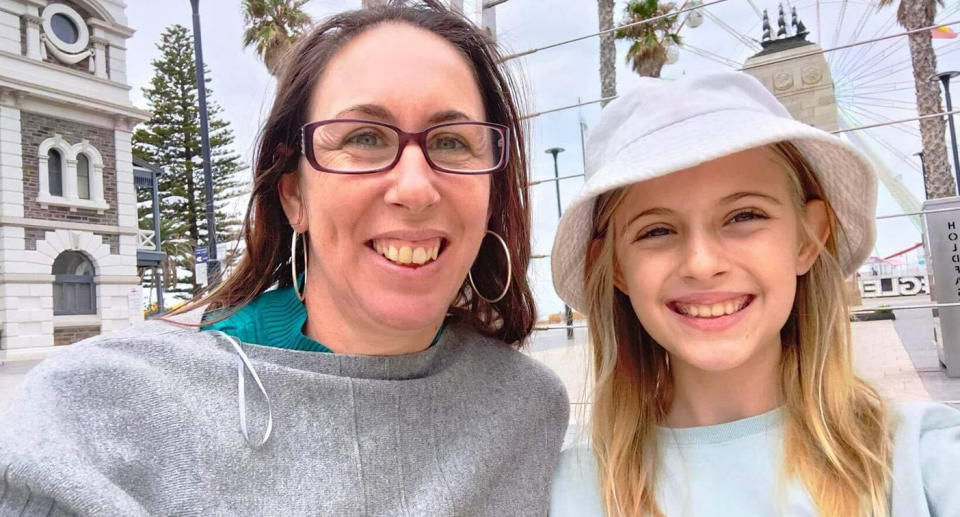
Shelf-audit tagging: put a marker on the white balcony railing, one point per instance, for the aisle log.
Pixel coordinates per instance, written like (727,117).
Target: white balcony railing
(145,240)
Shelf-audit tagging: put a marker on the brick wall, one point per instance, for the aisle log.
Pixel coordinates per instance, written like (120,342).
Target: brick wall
(31,236)
(34,129)
(69,335)
(112,240)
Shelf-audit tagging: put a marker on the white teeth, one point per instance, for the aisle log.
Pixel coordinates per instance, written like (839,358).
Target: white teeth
(714,310)
(419,256)
(407,255)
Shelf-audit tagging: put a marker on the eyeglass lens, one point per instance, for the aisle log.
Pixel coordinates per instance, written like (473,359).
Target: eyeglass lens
(359,146)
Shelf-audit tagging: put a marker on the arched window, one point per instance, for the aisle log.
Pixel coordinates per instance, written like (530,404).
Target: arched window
(55,172)
(83,176)
(73,287)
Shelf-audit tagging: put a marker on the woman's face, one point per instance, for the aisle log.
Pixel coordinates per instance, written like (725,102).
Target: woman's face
(410,78)
(709,257)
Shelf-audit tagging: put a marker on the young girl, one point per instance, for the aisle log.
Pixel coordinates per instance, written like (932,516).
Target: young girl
(709,248)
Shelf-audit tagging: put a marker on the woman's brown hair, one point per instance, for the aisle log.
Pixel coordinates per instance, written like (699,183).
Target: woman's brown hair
(267,233)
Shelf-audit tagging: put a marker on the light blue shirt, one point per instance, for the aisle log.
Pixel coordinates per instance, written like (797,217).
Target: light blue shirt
(733,469)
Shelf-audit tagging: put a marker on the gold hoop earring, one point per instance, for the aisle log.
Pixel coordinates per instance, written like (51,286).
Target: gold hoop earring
(293,265)
(506,286)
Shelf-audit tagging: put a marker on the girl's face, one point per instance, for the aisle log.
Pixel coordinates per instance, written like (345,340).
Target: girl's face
(709,257)
(413,79)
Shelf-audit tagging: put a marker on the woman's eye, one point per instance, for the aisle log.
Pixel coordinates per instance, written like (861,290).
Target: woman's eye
(447,143)
(367,139)
(747,215)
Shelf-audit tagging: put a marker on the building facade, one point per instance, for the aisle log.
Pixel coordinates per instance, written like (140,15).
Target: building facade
(68,212)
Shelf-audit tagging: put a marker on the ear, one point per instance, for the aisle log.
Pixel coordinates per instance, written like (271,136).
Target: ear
(288,187)
(816,222)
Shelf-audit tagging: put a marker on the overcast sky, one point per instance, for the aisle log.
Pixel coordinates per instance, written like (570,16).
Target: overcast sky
(874,82)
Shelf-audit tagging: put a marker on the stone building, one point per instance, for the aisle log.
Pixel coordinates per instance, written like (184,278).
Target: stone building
(791,68)
(68,214)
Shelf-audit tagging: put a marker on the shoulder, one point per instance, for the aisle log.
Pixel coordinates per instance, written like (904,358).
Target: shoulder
(79,420)
(921,416)
(576,490)
(926,461)
(500,365)
(927,427)
(96,370)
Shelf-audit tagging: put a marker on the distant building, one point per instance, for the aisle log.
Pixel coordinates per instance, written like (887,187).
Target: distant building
(68,213)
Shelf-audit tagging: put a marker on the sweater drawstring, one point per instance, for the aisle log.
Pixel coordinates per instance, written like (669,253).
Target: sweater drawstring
(243,362)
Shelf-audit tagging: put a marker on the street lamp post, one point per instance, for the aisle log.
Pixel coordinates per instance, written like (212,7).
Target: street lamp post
(556,174)
(945,79)
(213,265)
(923,169)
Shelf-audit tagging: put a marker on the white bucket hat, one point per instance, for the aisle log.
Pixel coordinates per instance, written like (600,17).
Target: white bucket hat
(662,127)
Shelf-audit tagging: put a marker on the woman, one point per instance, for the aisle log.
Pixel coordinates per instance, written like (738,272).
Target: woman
(709,248)
(391,388)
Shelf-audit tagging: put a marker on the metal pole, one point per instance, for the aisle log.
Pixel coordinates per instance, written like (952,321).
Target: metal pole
(213,265)
(556,174)
(945,79)
(156,237)
(923,169)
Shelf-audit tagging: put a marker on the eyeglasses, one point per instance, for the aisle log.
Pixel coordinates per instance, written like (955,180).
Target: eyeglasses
(353,146)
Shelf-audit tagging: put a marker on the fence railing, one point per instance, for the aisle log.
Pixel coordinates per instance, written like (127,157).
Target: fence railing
(145,240)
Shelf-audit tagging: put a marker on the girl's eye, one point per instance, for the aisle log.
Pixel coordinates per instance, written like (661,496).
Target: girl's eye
(654,232)
(748,215)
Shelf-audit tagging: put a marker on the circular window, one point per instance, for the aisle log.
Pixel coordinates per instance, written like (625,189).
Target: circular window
(65,28)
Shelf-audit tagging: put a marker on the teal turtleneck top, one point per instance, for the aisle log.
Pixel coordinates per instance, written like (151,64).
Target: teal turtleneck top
(275,318)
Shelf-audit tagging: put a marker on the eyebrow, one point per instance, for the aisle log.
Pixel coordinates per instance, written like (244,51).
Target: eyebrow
(649,211)
(728,199)
(740,195)
(379,112)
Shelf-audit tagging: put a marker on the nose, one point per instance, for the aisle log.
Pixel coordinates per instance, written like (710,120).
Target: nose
(413,181)
(703,257)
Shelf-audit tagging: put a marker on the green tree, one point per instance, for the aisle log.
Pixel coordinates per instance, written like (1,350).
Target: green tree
(647,53)
(916,14)
(272,27)
(171,140)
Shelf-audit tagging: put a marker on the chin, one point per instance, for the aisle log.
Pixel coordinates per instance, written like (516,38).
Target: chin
(408,312)
(714,357)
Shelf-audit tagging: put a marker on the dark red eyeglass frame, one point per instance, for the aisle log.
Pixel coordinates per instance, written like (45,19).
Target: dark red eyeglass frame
(404,138)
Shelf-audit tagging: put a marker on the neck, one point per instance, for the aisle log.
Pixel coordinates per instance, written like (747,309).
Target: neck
(702,397)
(344,332)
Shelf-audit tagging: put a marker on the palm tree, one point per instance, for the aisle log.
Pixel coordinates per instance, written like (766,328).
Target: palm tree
(916,14)
(273,26)
(608,51)
(648,54)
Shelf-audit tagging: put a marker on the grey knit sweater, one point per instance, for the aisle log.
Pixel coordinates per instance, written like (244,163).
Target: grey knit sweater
(146,422)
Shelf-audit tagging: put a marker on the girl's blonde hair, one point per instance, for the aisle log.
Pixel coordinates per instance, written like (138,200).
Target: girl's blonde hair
(836,429)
